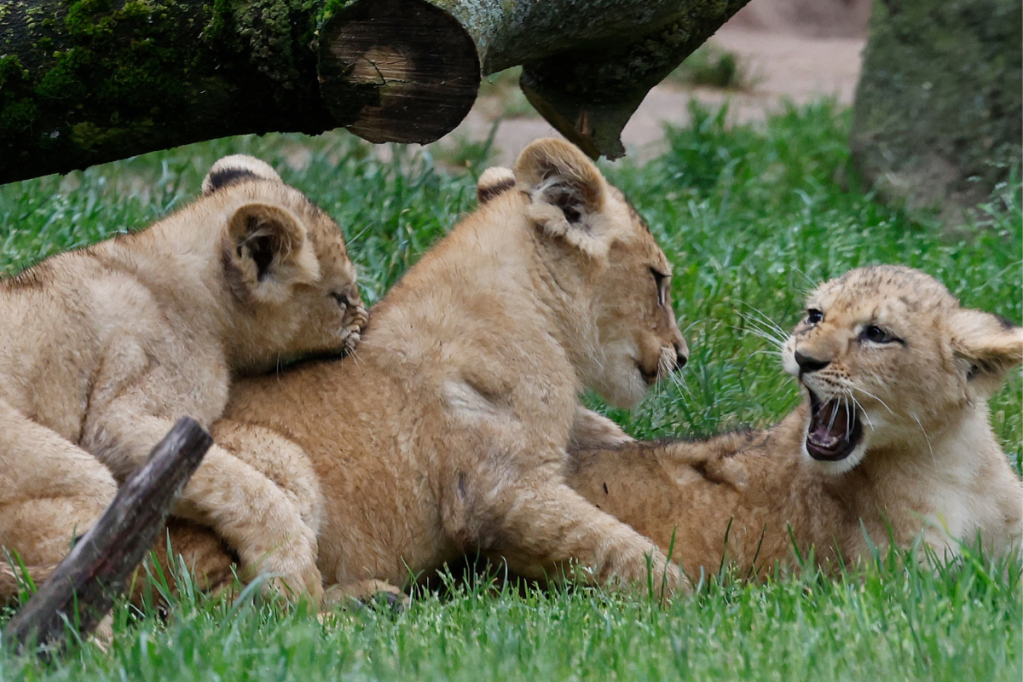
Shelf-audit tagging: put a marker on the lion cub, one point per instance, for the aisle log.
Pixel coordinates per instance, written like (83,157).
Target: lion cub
(447,432)
(103,348)
(893,430)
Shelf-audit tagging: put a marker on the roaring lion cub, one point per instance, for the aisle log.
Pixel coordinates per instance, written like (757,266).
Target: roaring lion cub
(893,433)
(102,349)
(447,431)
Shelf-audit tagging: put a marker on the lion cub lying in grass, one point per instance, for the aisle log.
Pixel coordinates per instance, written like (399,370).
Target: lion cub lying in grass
(446,432)
(102,349)
(893,430)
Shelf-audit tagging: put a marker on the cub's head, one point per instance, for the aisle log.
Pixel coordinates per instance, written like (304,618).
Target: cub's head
(889,360)
(285,263)
(610,279)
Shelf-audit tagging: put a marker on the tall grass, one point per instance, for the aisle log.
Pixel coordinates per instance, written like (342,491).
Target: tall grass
(752,218)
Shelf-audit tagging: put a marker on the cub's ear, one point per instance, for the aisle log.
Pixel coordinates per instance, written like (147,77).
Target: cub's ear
(493,182)
(565,188)
(990,344)
(236,168)
(267,252)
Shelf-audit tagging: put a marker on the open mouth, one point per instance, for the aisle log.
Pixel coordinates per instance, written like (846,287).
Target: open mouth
(649,377)
(835,429)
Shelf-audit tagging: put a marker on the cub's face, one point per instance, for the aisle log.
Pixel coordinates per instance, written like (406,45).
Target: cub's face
(639,338)
(888,359)
(612,278)
(285,262)
(325,315)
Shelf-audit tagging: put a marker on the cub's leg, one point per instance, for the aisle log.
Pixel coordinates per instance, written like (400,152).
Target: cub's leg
(242,505)
(543,528)
(51,490)
(713,458)
(280,460)
(591,431)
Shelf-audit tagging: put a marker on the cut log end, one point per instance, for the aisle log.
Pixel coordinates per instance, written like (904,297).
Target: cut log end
(414,69)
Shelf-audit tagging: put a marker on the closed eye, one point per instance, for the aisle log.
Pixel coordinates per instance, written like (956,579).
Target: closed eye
(342,300)
(661,281)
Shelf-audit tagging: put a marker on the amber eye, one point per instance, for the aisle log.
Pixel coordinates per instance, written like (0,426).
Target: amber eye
(661,282)
(876,334)
(814,316)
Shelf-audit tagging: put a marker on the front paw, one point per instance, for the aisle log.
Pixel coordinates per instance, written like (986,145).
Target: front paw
(291,572)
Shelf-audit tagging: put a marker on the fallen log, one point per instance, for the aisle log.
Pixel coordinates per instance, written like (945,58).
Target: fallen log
(85,584)
(88,81)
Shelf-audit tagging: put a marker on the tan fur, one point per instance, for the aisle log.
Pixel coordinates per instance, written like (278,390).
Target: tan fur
(446,432)
(102,349)
(928,461)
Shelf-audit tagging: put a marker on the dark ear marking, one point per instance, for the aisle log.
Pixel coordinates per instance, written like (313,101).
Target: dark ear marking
(235,169)
(493,182)
(1007,324)
(485,195)
(225,177)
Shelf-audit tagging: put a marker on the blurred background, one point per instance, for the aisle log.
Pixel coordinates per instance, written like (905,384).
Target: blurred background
(771,51)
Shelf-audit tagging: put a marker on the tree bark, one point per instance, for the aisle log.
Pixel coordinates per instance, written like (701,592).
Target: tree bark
(85,584)
(89,81)
(938,117)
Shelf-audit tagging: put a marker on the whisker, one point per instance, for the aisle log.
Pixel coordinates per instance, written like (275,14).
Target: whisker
(869,394)
(767,329)
(862,411)
(763,319)
(926,437)
(831,422)
(756,331)
(848,417)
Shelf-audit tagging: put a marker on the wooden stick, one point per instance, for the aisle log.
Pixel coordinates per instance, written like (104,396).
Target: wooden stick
(85,584)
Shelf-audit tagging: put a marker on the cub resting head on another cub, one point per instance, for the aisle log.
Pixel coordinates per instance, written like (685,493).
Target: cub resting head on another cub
(103,348)
(446,432)
(893,432)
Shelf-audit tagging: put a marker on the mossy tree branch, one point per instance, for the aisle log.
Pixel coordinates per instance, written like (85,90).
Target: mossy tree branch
(88,81)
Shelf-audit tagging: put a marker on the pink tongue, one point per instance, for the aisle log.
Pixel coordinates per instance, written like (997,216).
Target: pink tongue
(831,414)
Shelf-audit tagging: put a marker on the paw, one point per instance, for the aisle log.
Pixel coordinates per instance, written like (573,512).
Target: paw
(728,471)
(647,569)
(291,573)
(362,593)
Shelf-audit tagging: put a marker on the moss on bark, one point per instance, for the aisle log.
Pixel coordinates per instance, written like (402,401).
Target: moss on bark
(87,81)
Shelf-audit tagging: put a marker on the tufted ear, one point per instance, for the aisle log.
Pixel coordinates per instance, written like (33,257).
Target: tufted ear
(565,188)
(236,168)
(267,252)
(493,182)
(990,344)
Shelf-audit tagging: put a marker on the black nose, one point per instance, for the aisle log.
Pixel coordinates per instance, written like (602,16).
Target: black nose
(808,364)
(680,357)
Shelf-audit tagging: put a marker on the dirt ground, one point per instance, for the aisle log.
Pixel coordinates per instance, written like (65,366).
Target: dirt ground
(791,49)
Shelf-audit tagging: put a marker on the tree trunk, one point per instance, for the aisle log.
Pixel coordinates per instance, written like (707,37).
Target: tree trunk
(85,584)
(938,116)
(89,81)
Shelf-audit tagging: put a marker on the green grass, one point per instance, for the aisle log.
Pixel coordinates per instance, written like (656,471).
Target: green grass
(752,218)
